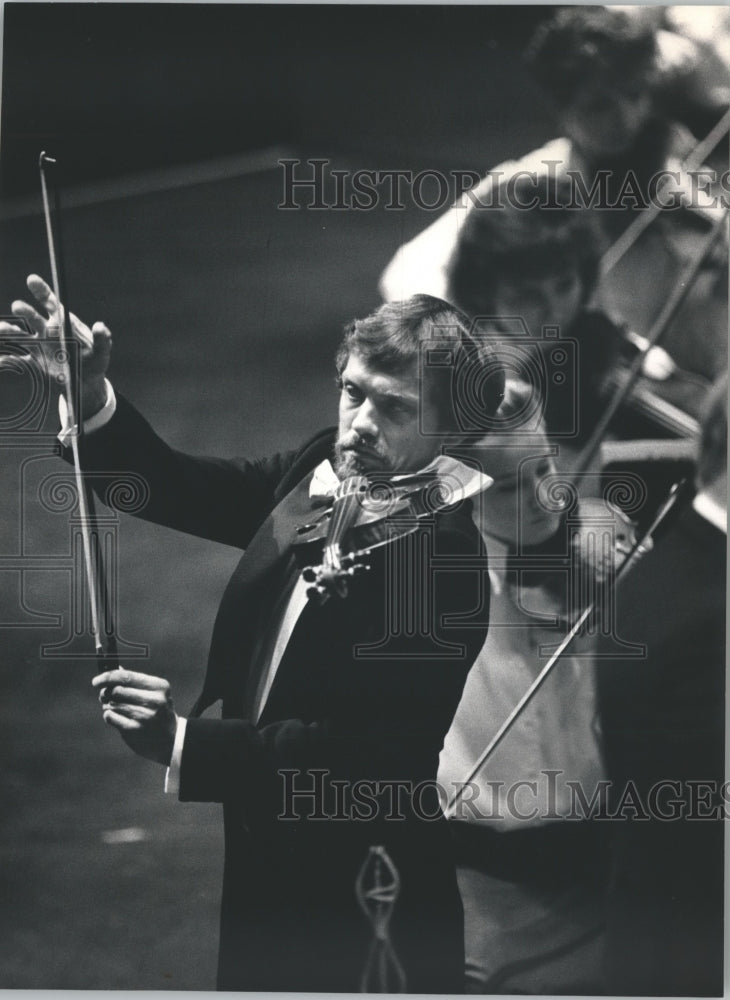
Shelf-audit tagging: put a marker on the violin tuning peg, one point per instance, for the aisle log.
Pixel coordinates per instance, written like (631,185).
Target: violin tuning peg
(308,575)
(317,594)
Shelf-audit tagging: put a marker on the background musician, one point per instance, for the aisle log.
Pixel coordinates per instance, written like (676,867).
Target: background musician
(533,868)
(599,68)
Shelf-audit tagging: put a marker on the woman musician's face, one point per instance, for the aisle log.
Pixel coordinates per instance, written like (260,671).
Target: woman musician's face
(515,508)
(606,120)
(547,300)
(381,418)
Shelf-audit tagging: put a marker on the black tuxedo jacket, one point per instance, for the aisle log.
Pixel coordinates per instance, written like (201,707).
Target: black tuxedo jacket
(345,753)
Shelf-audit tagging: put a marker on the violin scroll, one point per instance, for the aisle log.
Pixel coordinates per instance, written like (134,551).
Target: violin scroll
(331,576)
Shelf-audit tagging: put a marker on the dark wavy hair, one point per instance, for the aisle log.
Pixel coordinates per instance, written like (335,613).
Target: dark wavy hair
(508,242)
(582,44)
(399,334)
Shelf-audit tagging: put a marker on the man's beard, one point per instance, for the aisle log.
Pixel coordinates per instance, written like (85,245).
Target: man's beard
(353,460)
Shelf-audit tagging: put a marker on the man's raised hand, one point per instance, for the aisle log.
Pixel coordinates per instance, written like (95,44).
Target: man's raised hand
(94,344)
(140,707)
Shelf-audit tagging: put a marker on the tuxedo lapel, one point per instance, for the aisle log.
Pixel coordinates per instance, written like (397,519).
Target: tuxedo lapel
(266,568)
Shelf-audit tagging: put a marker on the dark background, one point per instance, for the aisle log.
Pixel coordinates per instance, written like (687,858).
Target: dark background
(117,87)
(226,313)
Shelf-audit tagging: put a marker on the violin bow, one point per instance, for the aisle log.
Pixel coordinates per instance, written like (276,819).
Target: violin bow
(644,219)
(659,327)
(93,559)
(677,490)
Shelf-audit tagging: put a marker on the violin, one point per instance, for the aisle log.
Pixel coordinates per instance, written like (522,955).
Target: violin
(364,514)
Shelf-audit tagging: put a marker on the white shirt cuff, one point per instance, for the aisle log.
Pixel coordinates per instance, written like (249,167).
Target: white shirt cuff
(95,423)
(172,776)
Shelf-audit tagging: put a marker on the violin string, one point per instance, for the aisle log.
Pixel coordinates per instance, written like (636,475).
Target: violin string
(346,501)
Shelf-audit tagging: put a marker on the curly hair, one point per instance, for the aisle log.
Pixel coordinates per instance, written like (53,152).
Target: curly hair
(398,334)
(583,44)
(509,243)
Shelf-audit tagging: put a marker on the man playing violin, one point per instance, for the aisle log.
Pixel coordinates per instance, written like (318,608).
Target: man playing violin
(334,710)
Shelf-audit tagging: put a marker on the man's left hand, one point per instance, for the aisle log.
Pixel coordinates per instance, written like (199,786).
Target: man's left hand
(140,707)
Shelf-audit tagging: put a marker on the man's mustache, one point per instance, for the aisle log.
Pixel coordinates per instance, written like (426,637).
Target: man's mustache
(355,443)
